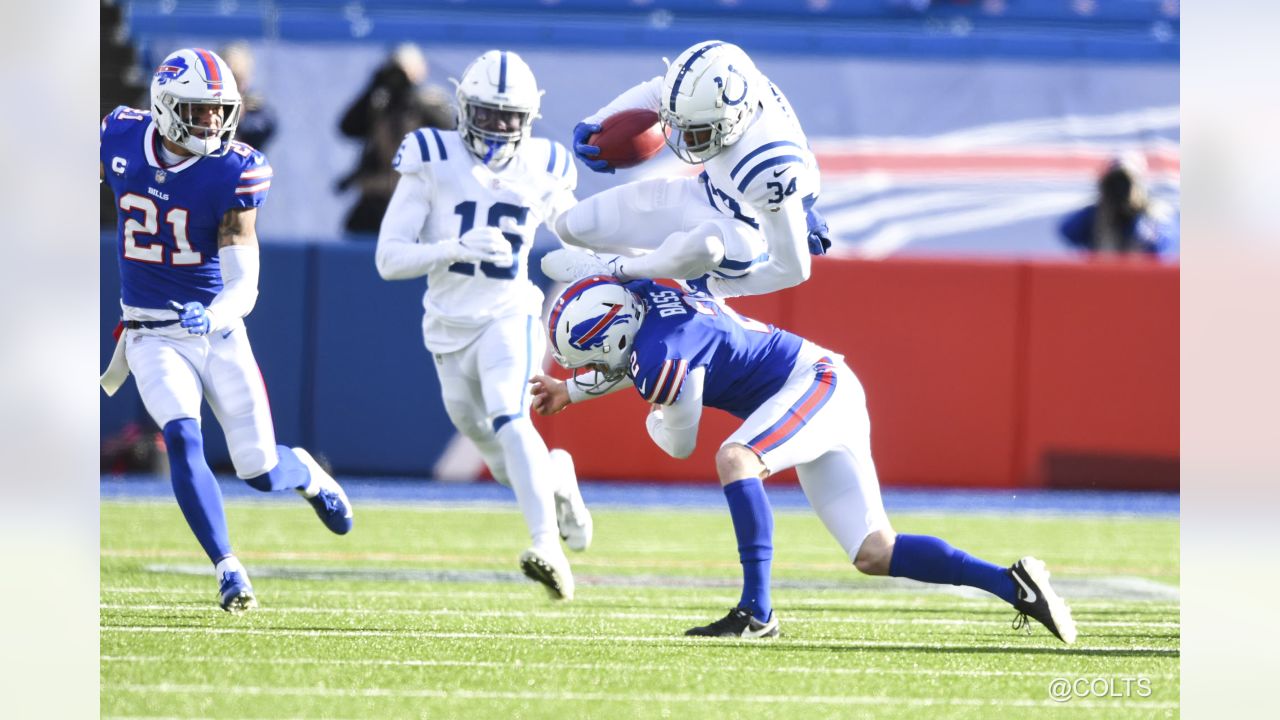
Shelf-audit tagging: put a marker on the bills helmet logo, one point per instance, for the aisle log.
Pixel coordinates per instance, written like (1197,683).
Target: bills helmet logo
(592,333)
(171,69)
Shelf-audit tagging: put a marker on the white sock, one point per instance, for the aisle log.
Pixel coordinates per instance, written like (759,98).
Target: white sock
(228,564)
(529,471)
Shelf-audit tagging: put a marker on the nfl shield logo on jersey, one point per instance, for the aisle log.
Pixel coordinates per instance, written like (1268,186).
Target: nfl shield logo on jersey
(160,176)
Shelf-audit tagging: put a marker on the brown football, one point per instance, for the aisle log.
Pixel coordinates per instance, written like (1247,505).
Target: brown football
(628,138)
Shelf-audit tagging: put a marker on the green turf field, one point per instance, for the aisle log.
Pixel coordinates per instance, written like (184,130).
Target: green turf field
(421,612)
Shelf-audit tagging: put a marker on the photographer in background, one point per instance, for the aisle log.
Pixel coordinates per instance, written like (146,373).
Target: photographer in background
(1124,219)
(390,107)
(257,117)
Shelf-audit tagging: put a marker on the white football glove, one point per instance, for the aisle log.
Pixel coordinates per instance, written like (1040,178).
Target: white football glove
(485,244)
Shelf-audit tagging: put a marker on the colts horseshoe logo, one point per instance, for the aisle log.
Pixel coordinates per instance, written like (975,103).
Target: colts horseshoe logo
(724,95)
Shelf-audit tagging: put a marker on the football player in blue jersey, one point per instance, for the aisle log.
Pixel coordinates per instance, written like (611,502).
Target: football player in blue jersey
(188,195)
(463,215)
(801,407)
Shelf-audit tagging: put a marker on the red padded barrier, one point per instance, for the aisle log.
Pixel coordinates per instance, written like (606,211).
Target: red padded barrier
(1102,372)
(934,345)
(995,374)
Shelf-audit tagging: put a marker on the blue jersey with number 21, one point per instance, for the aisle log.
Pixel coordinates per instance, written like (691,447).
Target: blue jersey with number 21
(168,216)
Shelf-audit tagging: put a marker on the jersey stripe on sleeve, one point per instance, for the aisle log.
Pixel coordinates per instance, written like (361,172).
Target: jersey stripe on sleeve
(444,155)
(763,148)
(771,162)
(422,145)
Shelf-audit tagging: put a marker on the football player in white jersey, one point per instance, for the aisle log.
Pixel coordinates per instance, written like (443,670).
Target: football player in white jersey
(188,197)
(463,215)
(745,226)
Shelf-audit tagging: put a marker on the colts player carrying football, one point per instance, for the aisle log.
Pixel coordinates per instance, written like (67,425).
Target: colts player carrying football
(744,226)
(800,405)
(464,214)
(188,196)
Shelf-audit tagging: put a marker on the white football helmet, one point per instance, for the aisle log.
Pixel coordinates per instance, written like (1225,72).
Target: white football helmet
(195,101)
(498,100)
(709,95)
(593,324)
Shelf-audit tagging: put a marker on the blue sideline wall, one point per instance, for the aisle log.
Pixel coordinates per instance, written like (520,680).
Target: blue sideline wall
(341,354)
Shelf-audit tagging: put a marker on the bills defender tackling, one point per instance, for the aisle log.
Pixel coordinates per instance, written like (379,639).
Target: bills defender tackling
(800,405)
(463,215)
(744,226)
(187,196)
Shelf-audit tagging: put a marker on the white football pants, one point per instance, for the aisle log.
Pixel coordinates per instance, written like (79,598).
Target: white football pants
(486,392)
(669,212)
(175,369)
(818,424)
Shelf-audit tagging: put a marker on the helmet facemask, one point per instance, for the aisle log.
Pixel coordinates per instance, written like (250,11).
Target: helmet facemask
(498,100)
(195,102)
(709,96)
(592,327)
(196,129)
(493,132)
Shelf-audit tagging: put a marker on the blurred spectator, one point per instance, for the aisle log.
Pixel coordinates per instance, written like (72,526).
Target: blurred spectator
(394,104)
(1124,219)
(257,117)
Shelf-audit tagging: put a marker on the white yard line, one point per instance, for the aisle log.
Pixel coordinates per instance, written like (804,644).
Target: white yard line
(611,638)
(596,666)
(647,697)
(825,618)
(837,599)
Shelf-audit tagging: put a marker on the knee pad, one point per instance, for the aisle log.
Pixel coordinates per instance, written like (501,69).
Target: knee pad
(252,465)
(591,220)
(696,252)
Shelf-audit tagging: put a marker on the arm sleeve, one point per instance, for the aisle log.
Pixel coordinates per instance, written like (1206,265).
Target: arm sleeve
(645,96)
(239,264)
(786,230)
(399,255)
(674,427)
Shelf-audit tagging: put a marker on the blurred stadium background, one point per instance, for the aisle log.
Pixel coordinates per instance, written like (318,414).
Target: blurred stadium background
(953,136)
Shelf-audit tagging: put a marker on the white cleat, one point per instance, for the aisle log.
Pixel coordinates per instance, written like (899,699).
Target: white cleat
(572,516)
(328,498)
(569,265)
(1037,599)
(551,568)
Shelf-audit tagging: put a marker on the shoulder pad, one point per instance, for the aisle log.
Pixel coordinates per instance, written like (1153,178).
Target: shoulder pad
(559,162)
(122,119)
(420,147)
(254,174)
(771,172)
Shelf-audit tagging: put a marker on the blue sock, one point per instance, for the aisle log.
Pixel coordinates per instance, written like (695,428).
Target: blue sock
(932,560)
(288,474)
(195,488)
(753,524)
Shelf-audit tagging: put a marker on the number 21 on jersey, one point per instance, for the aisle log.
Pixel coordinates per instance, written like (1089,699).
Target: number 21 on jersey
(155,251)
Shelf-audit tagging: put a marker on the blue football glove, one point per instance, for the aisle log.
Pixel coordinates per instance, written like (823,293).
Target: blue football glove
(819,241)
(586,153)
(193,316)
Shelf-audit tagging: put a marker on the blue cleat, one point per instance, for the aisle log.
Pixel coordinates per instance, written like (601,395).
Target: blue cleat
(330,501)
(236,592)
